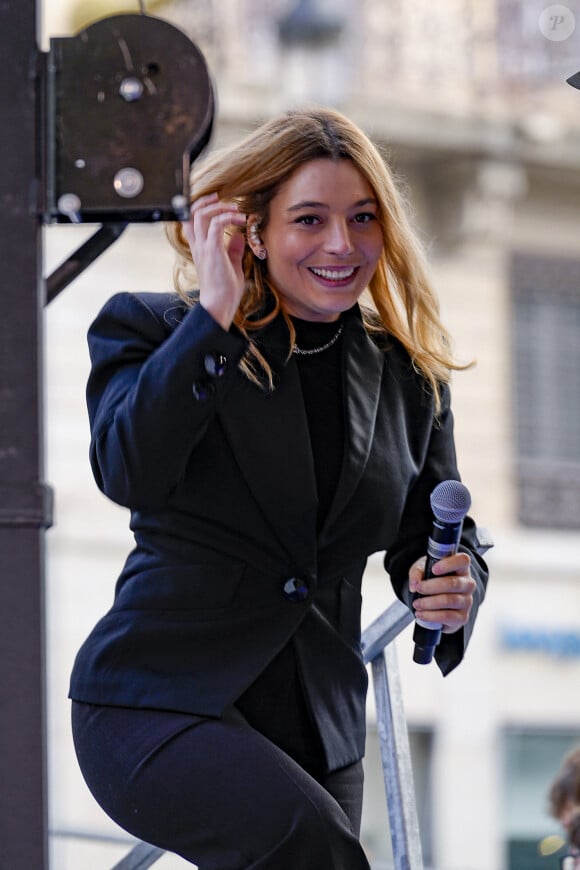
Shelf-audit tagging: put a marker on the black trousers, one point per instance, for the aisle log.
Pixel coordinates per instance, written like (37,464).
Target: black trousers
(217,792)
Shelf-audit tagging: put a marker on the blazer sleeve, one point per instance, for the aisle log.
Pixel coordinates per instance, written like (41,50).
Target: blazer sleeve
(410,544)
(152,392)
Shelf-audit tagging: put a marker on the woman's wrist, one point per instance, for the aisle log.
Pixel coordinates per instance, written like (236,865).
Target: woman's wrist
(222,311)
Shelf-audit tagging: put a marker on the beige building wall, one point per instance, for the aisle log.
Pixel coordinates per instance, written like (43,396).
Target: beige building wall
(491,161)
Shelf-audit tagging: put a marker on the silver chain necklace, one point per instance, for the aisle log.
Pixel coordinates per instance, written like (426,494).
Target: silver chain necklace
(311,350)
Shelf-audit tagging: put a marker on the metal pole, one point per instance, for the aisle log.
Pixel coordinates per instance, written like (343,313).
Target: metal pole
(385,628)
(140,857)
(24,502)
(396,760)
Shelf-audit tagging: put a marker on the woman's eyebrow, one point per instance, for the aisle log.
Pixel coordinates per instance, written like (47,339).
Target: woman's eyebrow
(311,204)
(307,204)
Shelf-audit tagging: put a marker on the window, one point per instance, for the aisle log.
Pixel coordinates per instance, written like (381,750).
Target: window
(546,346)
(531,760)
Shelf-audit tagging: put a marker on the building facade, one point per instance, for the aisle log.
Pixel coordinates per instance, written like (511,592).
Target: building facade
(469,101)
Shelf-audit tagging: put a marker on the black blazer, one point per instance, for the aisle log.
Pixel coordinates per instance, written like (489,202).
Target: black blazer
(219,477)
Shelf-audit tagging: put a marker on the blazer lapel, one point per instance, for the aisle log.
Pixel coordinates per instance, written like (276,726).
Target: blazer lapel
(363,364)
(268,431)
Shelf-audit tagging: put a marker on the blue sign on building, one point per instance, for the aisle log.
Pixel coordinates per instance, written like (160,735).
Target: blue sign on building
(553,642)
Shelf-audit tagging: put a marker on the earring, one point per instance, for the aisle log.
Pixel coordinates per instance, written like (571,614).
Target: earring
(256,241)
(253,235)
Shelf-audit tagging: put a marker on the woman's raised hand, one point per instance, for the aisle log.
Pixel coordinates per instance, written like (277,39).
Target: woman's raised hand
(217,250)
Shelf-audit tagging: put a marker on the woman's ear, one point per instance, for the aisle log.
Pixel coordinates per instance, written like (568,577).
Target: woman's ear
(254,238)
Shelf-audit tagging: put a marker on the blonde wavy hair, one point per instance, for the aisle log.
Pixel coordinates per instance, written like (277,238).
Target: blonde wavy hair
(399,300)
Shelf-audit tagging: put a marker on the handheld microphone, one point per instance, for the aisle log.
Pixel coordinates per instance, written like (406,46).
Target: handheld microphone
(450,501)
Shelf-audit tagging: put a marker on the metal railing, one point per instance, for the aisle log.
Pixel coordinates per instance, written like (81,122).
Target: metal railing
(378,651)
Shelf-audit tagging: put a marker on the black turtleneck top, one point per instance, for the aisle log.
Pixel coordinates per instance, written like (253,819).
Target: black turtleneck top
(320,378)
(275,704)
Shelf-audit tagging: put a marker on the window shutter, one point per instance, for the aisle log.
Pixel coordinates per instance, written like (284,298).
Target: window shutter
(546,347)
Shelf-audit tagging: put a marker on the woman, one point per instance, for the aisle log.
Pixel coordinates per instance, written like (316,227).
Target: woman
(268,434)
(564,792)
(564,805)
(571,861)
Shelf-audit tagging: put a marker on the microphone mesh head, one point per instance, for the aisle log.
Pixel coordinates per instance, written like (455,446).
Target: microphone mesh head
(450,501)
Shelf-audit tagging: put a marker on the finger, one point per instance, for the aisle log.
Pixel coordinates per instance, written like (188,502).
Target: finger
(202,201)
(452,611)
(459,563)
(236,247)
(452,620)
(203,209)
(416,572)
(223,220)
(449,601)
(455,584)
(449,619)
(199,204)
(207,197)
(209,226)
(207,206)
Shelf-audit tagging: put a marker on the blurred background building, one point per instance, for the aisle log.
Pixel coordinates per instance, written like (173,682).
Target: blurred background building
(468,99)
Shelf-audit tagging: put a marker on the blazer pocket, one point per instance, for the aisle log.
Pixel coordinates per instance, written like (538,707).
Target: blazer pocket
(199,587)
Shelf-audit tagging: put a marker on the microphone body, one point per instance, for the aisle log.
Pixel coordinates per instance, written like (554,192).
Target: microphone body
(450,501)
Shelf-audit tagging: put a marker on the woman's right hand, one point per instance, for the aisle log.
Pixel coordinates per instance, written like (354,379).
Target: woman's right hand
(217,255)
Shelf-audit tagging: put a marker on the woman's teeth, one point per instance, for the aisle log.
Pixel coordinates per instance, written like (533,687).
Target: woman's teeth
(334,274)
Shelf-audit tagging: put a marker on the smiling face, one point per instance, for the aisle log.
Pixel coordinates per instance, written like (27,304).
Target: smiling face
(323,239)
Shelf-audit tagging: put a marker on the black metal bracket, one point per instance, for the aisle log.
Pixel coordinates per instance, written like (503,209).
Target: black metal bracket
(76,264)
(127,106)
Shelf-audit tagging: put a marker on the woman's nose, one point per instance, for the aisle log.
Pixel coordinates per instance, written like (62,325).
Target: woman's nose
(338,238)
